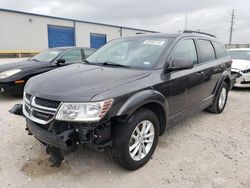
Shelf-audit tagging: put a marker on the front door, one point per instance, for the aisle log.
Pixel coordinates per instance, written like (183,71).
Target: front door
(179,81)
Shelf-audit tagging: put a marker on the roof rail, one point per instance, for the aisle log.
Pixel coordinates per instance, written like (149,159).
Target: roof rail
(198,32)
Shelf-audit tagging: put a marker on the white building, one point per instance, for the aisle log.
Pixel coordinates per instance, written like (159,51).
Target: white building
(22,32)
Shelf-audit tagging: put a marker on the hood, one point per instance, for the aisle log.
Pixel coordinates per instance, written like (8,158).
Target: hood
(240,65)
(80,82)
(26,64)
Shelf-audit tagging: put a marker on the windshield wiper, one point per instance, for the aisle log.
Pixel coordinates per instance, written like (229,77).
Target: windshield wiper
(86,61)
(114,64)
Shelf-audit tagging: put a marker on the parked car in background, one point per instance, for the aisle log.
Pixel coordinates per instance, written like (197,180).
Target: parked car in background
(13,76)
(127,94)
(241,65)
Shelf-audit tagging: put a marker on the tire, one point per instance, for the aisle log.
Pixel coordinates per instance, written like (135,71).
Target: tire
(123,142)
(217,107)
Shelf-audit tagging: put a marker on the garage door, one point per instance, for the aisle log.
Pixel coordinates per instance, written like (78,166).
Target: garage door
(97,40)
(60,36)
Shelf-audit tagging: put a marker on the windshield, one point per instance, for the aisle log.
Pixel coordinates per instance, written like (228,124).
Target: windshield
(47,55)
(237,54)
(132,52)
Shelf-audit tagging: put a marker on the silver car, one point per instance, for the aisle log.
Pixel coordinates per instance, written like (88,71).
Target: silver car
(241,65)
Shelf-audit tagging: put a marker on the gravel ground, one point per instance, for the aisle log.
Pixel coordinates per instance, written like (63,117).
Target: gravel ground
(205,150)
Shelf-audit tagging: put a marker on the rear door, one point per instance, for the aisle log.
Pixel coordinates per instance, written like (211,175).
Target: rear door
(206,73)
(200,80)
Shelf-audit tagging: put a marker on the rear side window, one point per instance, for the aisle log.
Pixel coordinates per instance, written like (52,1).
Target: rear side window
(206,50)
(219,50)
(72,55)
(185,49)
(88,52)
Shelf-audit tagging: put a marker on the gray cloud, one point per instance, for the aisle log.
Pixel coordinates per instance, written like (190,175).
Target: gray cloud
(211,16)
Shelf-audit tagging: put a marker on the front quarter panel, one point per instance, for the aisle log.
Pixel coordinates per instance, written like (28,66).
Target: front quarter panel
(140,99)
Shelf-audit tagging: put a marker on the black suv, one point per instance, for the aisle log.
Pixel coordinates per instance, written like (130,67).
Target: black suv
(127,94)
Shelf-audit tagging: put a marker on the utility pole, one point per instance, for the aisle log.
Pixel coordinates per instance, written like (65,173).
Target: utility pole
(185,22)
(231,27)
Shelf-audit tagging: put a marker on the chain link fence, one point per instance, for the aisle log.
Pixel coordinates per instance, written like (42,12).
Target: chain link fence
(228,46)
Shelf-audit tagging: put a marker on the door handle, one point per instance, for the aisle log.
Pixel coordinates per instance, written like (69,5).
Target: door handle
(218,67)
(200,73)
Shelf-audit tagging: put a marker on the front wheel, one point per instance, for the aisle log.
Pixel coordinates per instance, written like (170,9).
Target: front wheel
(220,100)
(136,140)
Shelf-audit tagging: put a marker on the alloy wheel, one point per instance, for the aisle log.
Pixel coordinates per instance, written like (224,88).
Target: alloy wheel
(222,97)
(141,140)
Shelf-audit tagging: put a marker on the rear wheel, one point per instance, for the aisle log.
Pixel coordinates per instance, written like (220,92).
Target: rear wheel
(220,100)
(136,140)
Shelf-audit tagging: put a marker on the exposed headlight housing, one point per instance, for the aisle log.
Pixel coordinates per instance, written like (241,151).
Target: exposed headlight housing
(246,71)
(83,112)
(8,73)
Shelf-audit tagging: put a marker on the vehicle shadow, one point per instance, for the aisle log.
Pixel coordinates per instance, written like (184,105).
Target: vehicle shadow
(241,89)
(10,97)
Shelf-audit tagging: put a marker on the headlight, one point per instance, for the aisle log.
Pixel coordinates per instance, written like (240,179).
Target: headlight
(83,112)
(8,73)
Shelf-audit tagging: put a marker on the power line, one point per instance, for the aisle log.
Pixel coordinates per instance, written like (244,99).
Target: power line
(231,27)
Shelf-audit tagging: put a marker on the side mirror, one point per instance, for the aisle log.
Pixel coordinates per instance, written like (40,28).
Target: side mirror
(181,64)
(60,62)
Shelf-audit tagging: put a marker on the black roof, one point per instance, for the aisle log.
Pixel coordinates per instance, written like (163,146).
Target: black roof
(174,35)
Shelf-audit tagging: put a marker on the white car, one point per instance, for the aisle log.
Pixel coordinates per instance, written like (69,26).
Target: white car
(241,65)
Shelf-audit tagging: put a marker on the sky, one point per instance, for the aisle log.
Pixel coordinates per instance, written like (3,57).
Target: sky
(168,16)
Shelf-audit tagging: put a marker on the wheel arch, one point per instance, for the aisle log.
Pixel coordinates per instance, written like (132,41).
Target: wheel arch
(225,77)
(150,99)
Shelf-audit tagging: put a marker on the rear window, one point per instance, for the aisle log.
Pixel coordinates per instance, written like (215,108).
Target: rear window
(219,50)
(206,50)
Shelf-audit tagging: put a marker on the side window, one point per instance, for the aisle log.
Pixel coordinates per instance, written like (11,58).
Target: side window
(72,56)
(185,49)
(219,50)
(88,52)
(206,50)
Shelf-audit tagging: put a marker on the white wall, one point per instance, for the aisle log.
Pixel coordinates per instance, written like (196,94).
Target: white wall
(83,31)
(17,33)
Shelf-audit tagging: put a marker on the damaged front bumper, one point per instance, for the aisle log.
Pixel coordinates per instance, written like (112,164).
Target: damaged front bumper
(50,139)
(243,80)
(61,137)
(68,136)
